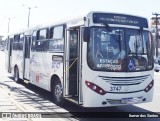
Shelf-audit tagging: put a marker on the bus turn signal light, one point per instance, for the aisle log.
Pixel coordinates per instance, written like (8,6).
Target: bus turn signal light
(95,88)
(150,85)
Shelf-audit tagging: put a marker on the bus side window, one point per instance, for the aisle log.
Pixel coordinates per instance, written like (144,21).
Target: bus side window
(34,37)
(27,48)
(16,42)
(42,42)
(21,41)
(11,43)
(56,36)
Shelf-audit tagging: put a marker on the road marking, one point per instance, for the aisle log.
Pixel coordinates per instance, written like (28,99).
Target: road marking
(11,99)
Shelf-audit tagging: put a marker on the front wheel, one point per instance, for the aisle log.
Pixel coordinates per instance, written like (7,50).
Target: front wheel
(58,93)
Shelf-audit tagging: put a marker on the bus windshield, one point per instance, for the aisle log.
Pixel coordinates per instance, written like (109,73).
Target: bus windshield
(120,49)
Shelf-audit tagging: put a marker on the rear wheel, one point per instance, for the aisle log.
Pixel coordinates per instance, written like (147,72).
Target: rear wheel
(58,93)
(16,75)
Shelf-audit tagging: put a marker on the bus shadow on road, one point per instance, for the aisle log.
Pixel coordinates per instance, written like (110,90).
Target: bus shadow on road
(42,100)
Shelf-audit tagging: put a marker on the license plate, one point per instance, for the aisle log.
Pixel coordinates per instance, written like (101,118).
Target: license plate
(130,100)
(115,88)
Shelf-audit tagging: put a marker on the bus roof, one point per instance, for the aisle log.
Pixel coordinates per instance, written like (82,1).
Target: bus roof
(98,17)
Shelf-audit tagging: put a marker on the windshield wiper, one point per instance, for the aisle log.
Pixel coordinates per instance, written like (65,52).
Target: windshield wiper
(108,27)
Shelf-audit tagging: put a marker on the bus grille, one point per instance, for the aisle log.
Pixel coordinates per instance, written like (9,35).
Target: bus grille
(125,80)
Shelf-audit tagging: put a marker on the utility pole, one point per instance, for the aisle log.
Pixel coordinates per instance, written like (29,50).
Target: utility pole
(8,23)
(157,34)
(9,20)
(29,8)
(29,12)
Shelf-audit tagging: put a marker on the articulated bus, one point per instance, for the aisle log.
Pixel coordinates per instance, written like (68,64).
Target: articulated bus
(99,60)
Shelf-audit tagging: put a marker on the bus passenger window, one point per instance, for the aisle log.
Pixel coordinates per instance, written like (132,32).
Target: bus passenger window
(56,36)
(42,34)
(34,37)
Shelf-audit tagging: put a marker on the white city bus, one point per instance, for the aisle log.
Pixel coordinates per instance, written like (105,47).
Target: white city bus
(102,59)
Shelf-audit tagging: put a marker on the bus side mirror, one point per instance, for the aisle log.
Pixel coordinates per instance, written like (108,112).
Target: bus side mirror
(86,34)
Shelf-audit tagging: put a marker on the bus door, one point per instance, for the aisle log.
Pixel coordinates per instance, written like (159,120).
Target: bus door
(26,57)
(71,71)
(8,54)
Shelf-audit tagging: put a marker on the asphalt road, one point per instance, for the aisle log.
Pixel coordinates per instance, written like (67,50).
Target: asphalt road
(33,99)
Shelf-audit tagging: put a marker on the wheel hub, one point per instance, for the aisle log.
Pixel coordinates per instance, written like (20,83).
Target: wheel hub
(58,91)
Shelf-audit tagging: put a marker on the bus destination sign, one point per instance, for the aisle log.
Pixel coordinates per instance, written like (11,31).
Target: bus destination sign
(110,18)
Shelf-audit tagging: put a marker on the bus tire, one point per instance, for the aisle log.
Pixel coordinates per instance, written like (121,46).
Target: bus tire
(16,75)
(57,92)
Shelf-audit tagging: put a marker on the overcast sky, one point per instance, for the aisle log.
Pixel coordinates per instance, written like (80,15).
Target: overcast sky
(54,10)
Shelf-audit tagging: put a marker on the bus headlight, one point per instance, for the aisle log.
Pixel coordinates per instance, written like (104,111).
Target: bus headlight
(150,85)
(95,88)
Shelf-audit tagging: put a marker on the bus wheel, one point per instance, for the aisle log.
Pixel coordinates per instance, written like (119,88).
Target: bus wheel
(16,75)
(58,93)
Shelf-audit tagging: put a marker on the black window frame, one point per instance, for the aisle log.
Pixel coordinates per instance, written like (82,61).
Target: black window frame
(56,40)
(40,44)
(17,44)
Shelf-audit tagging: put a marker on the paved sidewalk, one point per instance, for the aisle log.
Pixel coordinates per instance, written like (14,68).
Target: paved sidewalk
(6,105)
